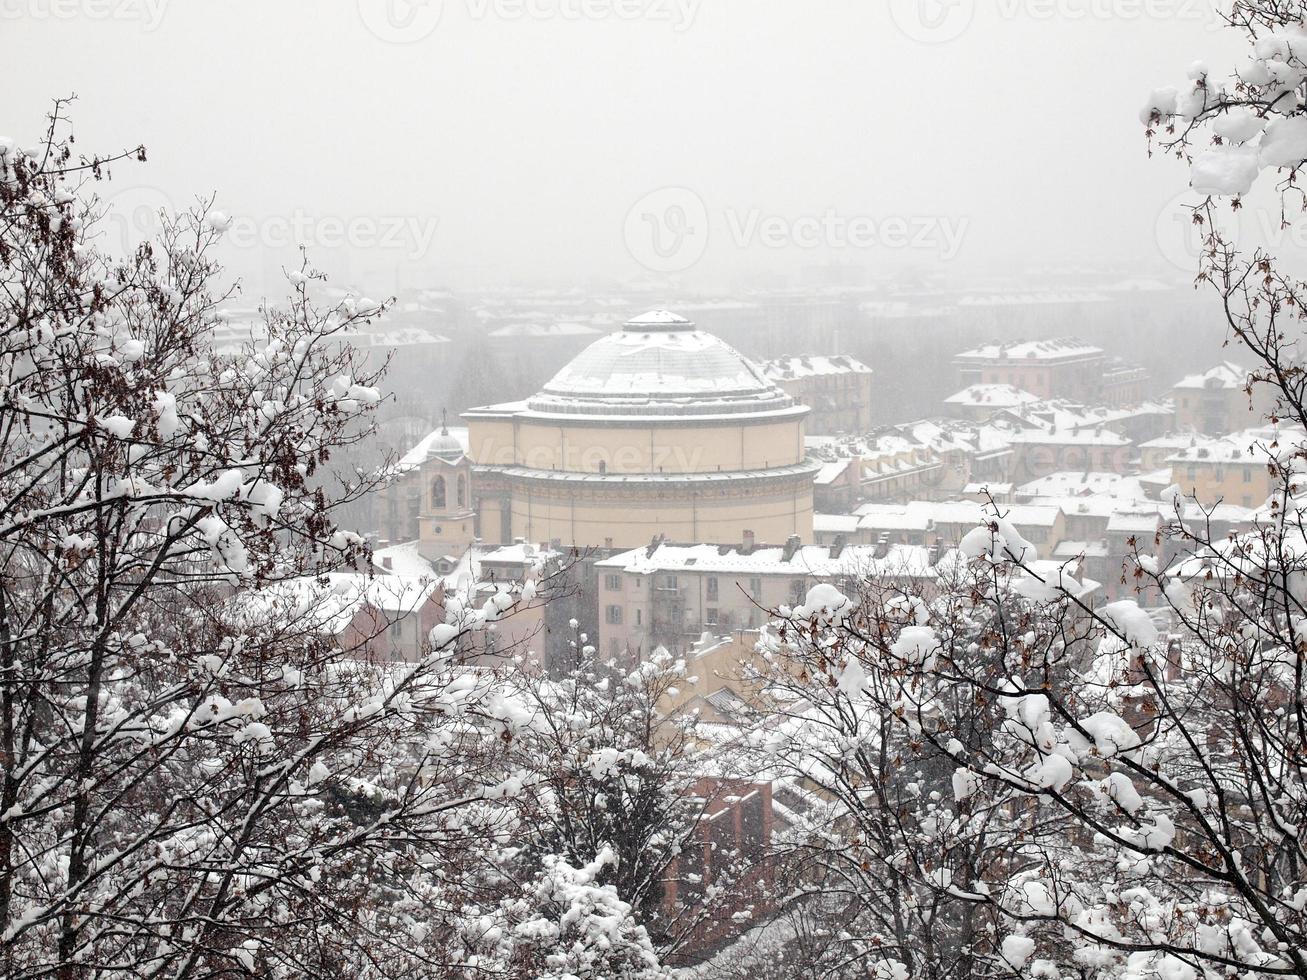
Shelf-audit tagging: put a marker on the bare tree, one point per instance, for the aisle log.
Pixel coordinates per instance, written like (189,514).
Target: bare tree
(197,780)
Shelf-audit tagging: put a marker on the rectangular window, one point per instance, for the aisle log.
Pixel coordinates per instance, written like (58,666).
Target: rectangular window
(613,583)
(711,589)
(613,615)
(1247,474)
(710,617)
(755,587)
(637,617)
(669,582)
(797,591)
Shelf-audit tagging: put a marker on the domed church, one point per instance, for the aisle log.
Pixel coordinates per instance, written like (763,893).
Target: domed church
(657,429)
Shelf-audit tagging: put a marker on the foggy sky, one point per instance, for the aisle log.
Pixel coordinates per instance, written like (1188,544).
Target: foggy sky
(511,142)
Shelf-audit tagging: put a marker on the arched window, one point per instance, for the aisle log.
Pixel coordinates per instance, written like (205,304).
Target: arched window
(438,493)
(603,466)
(462,490)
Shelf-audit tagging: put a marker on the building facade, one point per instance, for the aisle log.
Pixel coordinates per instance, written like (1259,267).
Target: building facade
(1060,368)
(657,429)
(1218,401)
(836,387)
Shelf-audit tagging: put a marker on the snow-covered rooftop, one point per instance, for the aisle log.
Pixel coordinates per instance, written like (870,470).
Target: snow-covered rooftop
(1226,375)
(659,364)
(995,396)
(814,560)
(1078,483)
(808,366)
(448,442)
(1056,349)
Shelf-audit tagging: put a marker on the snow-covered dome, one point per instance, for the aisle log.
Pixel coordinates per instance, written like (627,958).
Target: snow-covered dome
(659,364)
(445,445)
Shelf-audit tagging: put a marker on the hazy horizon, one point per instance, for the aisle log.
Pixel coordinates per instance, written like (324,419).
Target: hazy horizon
(567,143)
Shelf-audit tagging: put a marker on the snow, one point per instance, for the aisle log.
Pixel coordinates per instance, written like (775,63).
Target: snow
(1157,836)
(1052,772)
(998,540)
(661,318)
(1160,102)
(682,372)
(965,784)
(1017,950)
(853,679)
(1284,144)
(1053,349)
(118,426)
(1121,790)
(1110,733)
(809,560)
(825,603)
(915,645)
(1174,968)
(1131,622)
(1224,171)
(442,635)
(816,365)
(1238,125)
(1055,583)
(165,410)
(217,221)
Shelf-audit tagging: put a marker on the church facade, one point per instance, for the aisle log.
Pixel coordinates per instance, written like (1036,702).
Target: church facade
(656,429)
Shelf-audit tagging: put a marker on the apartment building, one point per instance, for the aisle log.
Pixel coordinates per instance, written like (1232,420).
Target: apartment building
(671,595)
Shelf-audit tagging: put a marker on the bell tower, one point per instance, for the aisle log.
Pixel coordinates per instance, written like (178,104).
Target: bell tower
(446,521)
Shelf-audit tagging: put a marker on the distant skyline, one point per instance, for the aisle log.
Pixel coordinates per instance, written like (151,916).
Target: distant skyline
(570,142)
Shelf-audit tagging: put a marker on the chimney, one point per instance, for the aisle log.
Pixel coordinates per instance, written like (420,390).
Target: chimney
(792,545)
(387,563)
(748,542)
(838,546)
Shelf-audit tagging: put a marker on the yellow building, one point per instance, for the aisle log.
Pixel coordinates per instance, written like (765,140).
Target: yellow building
(1233,470)
(657,429)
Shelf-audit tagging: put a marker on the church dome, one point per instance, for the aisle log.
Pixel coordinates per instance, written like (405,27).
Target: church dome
(445,446)
(659,364)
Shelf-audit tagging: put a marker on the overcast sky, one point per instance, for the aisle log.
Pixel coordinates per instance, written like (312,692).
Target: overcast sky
(568,142)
